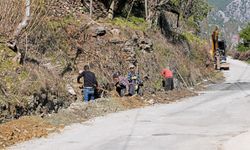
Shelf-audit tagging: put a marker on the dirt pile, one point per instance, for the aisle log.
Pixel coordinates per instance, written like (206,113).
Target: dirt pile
(24,129)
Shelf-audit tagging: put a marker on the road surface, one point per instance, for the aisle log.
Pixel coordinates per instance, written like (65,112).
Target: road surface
(217,119)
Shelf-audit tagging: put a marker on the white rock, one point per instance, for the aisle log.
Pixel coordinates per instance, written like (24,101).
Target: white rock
(70,89)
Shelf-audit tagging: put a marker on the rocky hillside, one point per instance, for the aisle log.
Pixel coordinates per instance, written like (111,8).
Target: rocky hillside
(220,4)
(239,10)
(40,63)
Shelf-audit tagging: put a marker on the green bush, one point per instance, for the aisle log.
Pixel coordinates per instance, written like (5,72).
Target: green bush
(134,23)
(245,36)
(243,48)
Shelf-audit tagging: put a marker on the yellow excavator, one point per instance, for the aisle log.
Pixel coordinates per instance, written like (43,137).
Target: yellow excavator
(218,51)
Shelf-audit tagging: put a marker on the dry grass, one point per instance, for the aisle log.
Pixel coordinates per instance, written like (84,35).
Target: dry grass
(54,43)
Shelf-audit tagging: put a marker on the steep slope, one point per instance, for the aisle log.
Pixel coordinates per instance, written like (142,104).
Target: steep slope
(239,10)
(61,38)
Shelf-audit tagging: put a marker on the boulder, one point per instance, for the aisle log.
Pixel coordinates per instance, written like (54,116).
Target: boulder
(115,32)
(145,44)
(100,31)
(70,89)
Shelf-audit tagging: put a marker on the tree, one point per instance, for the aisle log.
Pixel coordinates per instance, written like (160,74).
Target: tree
(111,10)
(91,8)
(12,43)
(195,9)
(245,36)
(245,33)
(146,9)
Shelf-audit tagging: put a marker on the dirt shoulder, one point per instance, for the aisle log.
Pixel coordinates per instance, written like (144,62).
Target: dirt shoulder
(26,128)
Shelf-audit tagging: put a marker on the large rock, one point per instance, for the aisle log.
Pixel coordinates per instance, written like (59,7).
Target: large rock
(100,31)
(145,44)
(116,37)
(70,89)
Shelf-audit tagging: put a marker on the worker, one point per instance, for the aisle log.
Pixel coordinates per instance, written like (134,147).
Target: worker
(121,84)
(135,83)
(215,36)
(168,82)
(90,83)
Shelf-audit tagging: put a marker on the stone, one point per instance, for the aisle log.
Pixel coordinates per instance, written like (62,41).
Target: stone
(146,44)
(115,32)
(151,101)
(135,37)
(43,96)
(70,89)
(100,31)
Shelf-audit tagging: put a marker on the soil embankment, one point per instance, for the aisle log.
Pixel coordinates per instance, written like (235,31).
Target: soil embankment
(60,39)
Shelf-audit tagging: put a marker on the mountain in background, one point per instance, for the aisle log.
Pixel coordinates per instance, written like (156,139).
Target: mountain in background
(231,16)
(238,10)
(220,4)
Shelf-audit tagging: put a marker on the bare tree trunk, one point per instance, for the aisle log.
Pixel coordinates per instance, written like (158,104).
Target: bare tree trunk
(91,8)
(13,42)
(146,9)
(130,9)
(187,9)
(111,10)
(25,21)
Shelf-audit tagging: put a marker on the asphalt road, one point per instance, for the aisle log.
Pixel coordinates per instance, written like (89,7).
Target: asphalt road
(209,121)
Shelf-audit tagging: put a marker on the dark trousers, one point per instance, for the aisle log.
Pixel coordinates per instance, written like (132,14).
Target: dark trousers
(135,89)
(168,84)
(121,89)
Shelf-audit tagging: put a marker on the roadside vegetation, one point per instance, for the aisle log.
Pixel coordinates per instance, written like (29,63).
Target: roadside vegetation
(46,56)
(243,49)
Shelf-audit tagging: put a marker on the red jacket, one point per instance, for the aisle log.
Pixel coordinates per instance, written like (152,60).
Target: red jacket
(166,73)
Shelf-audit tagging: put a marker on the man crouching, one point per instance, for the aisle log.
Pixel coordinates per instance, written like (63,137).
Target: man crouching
(121,84)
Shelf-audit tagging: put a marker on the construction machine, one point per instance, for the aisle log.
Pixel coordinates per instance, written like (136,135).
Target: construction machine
(218,52)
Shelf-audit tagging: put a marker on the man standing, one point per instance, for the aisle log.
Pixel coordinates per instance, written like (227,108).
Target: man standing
(89,85)
(168,82)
